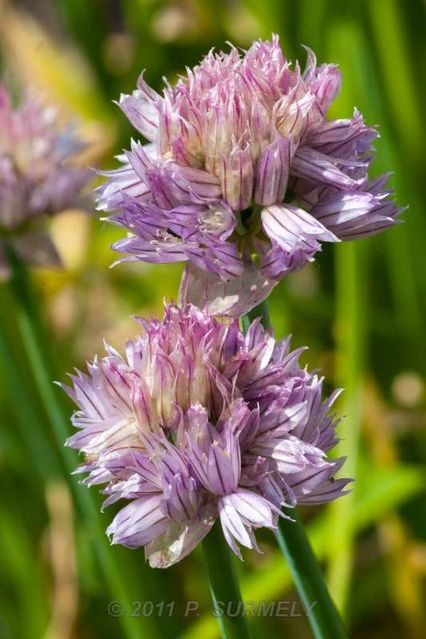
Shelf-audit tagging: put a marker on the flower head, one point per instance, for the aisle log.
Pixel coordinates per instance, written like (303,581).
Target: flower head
(244,176)
(199,422)
(35,176)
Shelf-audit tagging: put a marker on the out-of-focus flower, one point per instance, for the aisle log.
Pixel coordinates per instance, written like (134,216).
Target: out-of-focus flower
(244,176)
(36,178)
(199,422)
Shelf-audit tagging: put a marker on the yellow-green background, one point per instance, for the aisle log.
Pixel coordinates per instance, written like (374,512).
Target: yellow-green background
(360,307)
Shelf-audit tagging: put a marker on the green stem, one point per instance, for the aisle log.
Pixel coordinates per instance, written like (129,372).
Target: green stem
(37,348)
(224,586)
(322,614)
(26,415)
(261,311)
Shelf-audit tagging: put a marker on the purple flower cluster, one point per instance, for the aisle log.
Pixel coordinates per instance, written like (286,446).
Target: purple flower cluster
(199,422)
(36,178)
(244,175)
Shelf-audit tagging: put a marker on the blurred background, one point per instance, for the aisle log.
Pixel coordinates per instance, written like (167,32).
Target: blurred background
(360,307)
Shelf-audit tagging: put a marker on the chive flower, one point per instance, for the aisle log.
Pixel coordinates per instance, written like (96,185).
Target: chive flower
(244,175)
(198,422)
(36,177)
